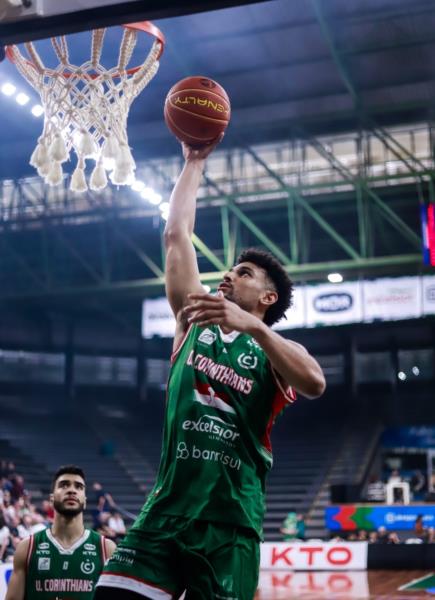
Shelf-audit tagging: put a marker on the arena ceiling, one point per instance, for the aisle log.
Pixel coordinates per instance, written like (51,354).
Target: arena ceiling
(294,70)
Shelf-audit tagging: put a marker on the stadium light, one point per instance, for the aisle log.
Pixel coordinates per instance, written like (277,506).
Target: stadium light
(137,185)
(335,277)
(37,110)
(22,99)
(153,197)
(8,89)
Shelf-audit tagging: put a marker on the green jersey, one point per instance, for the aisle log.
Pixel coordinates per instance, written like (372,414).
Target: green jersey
(57,573)
(223,397)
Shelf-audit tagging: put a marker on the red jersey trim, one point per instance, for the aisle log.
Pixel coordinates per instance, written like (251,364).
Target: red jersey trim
(283,396)
(103,549)
(181,344)
(30,550)
(288,392)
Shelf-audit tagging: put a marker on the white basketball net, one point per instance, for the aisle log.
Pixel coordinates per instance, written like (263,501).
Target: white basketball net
(86,109)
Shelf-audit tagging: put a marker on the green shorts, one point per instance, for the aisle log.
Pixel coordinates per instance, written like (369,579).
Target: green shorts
(168,555)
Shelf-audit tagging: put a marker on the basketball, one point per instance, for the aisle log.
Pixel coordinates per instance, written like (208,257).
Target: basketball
(197,110)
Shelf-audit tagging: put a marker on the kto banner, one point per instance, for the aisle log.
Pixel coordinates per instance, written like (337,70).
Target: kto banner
(384,299)
(321,556)
(348,517)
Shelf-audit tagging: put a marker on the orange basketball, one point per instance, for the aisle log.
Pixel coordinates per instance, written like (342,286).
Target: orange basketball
(197,110)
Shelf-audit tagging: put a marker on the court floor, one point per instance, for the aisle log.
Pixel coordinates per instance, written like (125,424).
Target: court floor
(343,585)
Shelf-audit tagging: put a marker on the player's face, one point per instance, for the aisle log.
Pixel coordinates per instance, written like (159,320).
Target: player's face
(245,284)
(69,497)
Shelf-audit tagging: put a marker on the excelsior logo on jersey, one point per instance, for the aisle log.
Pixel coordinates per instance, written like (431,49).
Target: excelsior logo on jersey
(222,373)
(215,427)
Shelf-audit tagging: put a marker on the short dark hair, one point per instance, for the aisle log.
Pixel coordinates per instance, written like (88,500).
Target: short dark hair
(278,277)
(71,470)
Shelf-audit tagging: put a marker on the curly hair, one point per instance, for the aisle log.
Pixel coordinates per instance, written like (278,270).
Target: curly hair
(277,278)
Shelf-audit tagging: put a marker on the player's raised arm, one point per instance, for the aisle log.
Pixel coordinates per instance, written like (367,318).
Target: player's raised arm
(182,274)
(17,583)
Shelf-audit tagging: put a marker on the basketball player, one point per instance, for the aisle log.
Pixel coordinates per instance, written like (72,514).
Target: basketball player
(200,528)
(63,562)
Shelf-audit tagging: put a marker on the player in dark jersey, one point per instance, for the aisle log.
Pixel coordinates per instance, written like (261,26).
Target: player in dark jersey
(200,527)
(64,562)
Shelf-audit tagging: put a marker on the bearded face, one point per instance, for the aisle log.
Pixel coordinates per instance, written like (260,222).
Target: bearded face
(68,498)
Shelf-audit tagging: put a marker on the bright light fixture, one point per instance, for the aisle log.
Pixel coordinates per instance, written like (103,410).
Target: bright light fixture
(153,197)
(137,185)
(8,89)
(415,371)
(401,375)
(37,110)
(335,277)
(22,99)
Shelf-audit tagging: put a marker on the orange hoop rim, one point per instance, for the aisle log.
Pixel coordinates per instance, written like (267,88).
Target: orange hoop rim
(144,26)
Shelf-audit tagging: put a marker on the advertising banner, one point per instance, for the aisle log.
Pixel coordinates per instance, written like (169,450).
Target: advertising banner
(409,437)
(321,556)
(384,299)
(428,293)
(5,574)
(294,316)
(329,304)
(389,299)
(348,517)
(157,318)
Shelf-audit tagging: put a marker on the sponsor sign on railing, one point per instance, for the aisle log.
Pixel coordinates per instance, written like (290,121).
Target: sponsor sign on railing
(383,299)
(350,517)
(5,574)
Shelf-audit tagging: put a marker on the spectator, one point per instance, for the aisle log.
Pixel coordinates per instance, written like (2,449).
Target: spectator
(47,511)
(25,528)
(382,537)
(17,490)
(393,538)
(375,489)
(362,535)
(4,538)
(373,537)
(116,524)
(104,500)
(293,527)
(395,476)
(103,526)
(418,485)
(9,511)
(420,531)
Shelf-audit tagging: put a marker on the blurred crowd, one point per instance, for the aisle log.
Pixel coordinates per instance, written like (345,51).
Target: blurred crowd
(19,515)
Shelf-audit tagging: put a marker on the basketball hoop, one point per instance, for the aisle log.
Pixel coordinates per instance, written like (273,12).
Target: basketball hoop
(86,107)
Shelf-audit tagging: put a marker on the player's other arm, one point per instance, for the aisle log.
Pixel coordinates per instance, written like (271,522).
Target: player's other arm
(17,583)
(109,546)
(292,361)
(181,271)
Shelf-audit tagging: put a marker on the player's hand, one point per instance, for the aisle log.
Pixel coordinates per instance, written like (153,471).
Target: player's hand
(201,153)
(207,309)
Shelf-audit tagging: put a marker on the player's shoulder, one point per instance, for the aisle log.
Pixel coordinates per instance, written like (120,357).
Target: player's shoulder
(22,551)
